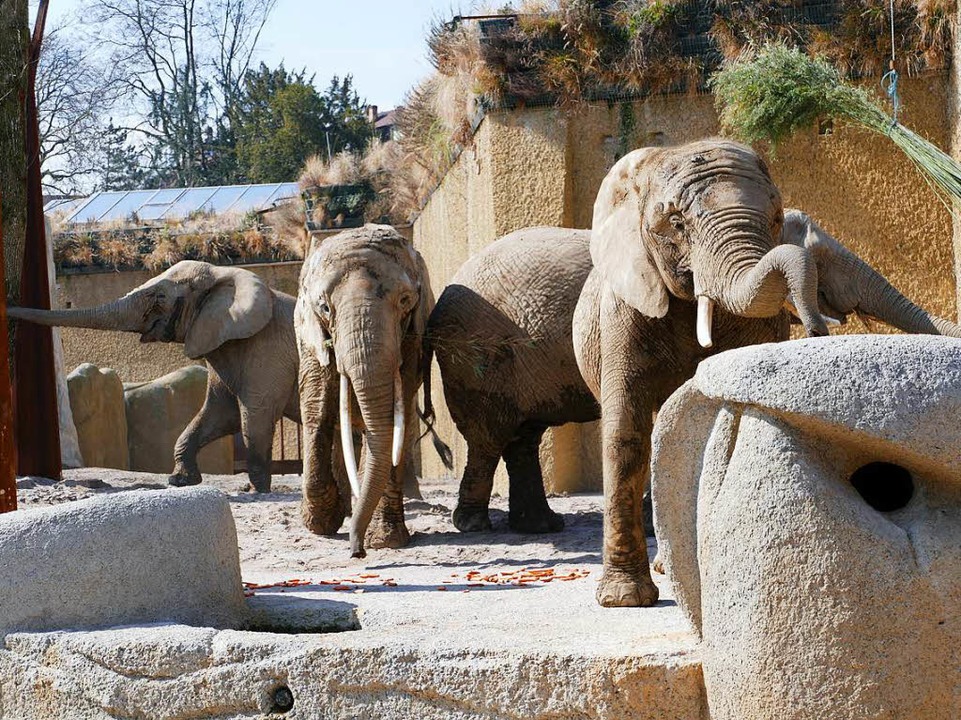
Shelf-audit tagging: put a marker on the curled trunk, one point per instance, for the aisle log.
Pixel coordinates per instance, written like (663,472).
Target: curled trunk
(760,290)
(738,267)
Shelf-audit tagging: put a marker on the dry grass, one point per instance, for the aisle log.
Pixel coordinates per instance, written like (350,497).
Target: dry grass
(572,51)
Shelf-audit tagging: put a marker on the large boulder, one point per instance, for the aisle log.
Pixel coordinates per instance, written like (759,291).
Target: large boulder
(808,506)
(97,403)
(158,412)
(136,557)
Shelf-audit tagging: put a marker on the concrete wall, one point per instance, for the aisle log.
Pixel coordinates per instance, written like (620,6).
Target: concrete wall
(539,166)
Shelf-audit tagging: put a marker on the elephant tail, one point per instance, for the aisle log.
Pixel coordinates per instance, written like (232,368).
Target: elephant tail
(443,449)
(427,415)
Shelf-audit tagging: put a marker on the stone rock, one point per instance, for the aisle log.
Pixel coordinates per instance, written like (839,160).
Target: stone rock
(96,400)
(158,411)
(70,456)
(807,501)
(137,557)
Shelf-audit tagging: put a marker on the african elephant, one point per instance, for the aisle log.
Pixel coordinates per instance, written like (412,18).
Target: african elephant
(360,317)
(503,341)
(501,332)
(689,261)
(240,326)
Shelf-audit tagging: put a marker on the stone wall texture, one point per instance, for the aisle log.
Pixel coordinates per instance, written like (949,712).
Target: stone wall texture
(541,166)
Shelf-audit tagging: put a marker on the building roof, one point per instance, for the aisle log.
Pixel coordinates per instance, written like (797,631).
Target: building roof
(171,204)
(386,119)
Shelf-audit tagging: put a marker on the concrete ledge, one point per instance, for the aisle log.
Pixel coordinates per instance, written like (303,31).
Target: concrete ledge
(141,556)
(179,672)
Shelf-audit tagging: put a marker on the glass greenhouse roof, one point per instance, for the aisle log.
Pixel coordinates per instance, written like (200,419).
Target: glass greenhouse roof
(172,204)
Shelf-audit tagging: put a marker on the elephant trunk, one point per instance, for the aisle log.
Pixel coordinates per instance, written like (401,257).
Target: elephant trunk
(124,314)
(757,282)
(879,299)
(375,397)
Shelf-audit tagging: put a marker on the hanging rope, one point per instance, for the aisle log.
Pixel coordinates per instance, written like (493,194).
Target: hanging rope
(889,82)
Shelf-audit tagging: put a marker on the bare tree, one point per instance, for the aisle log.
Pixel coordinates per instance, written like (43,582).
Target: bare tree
(184,60)
(75,94)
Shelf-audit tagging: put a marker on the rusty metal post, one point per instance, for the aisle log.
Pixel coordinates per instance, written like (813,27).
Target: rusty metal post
(8,444)
(38,421)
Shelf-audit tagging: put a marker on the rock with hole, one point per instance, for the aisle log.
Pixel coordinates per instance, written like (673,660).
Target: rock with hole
(807,500)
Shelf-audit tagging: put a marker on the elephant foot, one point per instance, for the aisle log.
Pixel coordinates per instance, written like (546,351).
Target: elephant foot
(537,522)
(321,523)
(259,484)
(184,478)
(471,519)
(621,589)
(383,533)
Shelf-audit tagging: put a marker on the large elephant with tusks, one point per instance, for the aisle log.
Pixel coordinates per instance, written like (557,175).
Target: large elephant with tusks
(361,314)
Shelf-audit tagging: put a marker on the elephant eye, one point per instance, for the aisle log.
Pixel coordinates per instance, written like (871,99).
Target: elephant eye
(324,309)
(677,221)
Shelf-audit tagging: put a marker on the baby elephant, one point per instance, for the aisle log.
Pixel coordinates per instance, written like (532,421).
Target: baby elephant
(361,312)
(234,321)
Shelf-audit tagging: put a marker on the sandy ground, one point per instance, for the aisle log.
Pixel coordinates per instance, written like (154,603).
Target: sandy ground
(499,588)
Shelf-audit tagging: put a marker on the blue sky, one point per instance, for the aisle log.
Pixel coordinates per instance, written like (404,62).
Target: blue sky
(379,42)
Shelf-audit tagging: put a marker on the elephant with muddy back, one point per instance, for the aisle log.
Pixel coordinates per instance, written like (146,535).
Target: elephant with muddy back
(361,313)
(233,320)
(690,255)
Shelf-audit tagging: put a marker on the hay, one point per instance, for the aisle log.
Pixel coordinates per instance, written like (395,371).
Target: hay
(768,95)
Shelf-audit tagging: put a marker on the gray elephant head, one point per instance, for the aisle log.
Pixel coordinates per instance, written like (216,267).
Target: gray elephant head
(362,308)
(700,222)
(847,284)
(194,303)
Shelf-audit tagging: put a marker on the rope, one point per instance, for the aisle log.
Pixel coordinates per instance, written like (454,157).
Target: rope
(889,82)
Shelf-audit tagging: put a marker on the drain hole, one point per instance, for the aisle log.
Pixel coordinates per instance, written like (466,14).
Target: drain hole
(884,486)
(282,700)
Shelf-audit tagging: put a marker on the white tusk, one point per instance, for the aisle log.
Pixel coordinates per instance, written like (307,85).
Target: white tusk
(347,436)
(398,419)
(705,320)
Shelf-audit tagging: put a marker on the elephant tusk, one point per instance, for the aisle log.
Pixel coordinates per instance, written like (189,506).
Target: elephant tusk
(791,308)
(398,419)
(705,321)
(347,437)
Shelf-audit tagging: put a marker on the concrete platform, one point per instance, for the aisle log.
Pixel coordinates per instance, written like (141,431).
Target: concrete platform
(507,649)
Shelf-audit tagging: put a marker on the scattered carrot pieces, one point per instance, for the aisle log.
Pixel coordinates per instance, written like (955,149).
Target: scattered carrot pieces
(369,575)
(442,588)
(341,588)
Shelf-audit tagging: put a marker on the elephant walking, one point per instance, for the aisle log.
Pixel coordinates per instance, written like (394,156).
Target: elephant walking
(360,318)
(242,328)
(501,332)
(504,330)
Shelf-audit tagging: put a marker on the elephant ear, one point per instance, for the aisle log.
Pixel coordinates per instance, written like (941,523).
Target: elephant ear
(312,337)
(425,300)
(237,306)
(617,243)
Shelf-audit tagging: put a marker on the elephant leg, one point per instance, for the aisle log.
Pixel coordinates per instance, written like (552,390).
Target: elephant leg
(529,511)
(626,431)
(473,502)
(411,486)
(326,490)
(257,426)
(219,416)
